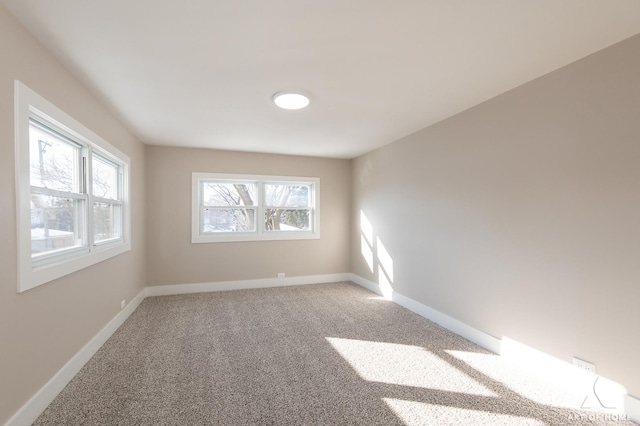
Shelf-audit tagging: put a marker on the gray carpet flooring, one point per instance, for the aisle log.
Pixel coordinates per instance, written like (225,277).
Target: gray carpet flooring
(325,354)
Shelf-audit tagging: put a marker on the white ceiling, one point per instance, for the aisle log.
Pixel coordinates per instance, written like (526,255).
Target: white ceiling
(201,73)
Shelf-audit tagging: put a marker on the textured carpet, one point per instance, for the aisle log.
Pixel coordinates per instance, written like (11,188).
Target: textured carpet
(318,354)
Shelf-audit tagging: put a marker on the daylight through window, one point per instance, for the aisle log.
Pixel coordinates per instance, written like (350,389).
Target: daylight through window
(72,193)
(246,208)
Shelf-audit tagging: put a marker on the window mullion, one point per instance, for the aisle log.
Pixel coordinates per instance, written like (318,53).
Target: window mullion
(120,197)
(312,208)
(298,220)
(201,205)
(260,208)
(54,196)
(88,179)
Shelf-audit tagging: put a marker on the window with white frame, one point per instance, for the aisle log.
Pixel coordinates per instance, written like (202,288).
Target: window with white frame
(72,189)
(252,208)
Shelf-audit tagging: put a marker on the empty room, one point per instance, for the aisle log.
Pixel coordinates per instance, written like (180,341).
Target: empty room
(330,212)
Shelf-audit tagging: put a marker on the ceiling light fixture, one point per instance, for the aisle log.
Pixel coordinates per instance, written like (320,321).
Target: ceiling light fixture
(290,100)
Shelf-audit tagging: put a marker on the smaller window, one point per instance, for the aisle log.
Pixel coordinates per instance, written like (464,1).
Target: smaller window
(254,208)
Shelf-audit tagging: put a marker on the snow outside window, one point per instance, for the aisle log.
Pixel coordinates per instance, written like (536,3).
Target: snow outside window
(253,208)
(72,197)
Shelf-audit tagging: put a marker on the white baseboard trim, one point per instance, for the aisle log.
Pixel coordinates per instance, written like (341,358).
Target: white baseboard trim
(32,409)
(166,290)
(478,337)
(556,370)
(610,397)
(632,408)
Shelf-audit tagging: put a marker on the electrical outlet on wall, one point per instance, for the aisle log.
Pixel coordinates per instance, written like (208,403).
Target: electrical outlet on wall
(123,303)
(585,365)
(280,274)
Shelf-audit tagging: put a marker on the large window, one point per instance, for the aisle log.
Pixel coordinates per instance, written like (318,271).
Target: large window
(72,205)
(253,208)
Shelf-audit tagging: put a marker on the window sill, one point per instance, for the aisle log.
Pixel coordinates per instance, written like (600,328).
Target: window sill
(34,277)
(269,236)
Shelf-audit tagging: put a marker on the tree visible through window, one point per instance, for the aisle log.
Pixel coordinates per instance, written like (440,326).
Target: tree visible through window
(107,205)
(228,207)
(260,206)
(72,193)
(60,192)
(287,207)
(56,190)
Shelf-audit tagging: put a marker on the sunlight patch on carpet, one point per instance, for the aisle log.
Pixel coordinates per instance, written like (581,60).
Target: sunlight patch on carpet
(414,413)
(535,386)
(405,365)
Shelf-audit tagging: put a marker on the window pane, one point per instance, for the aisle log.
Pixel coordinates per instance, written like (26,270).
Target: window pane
(228,194)
(287,219)
(54,161)
(278,195)
(105,178)
(55,223)
(106,221)
(228,220)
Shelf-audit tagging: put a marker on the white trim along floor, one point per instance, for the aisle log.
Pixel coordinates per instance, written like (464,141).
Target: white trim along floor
(556,369)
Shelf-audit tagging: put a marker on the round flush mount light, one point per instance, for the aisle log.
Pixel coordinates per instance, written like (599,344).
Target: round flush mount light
(290,100)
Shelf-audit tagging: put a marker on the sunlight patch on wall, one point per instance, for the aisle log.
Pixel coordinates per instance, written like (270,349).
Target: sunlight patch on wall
(385,284)
(366,240)
(385,259)
(385,270)
(405,365)
(367,252)
(376,256)
(365,228)
(414,413)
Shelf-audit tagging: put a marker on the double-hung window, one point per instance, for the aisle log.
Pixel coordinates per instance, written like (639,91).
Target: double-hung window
(57,193)
(72,188)
(253,208)
(106,188)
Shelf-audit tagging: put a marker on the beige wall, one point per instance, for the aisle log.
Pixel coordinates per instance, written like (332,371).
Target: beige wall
(42,328)
(518,217)
(521,216)
(173,259)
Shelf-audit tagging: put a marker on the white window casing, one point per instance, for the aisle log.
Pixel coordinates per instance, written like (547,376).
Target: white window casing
(258,217)
(33,113)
